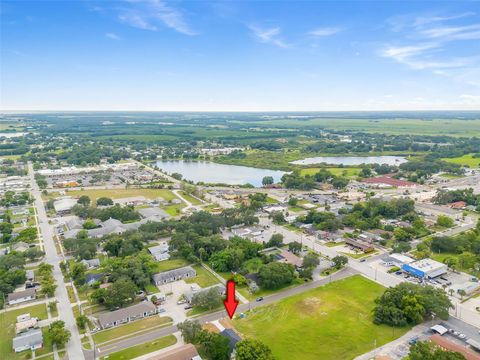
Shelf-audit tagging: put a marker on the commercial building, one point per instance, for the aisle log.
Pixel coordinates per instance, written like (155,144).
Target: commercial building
(453,346)
(363,246)
(123,316)
(425,268)
(64,206)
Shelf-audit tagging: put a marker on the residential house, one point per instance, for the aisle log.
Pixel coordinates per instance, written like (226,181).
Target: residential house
(21,296)
(131,313)
(184,352)
(160,252)
(174,275)
(90,279)
(91,264)
(30,340)
(219,287)
(233,338)
(153,211)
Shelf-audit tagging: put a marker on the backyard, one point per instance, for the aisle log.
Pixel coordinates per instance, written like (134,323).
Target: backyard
(340,312)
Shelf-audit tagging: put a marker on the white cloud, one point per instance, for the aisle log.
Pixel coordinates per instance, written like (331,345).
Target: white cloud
(326,31)
(149,14)
(112,36)
(269,36)
(470,99)
(450,33)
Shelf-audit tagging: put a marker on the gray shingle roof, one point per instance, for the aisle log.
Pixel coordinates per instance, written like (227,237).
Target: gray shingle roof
(128,312)
(21,294)
(174,274)
(29,338)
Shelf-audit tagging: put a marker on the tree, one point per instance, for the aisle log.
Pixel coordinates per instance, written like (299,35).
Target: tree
(189,330)
(340,261)
(209,299)
(275,275)
(445,221)
(306,273)
(267,180)
(278,217)
(276,240)
(77,272)
(84,200)
(58,334)
(426,350)
(409,303)
(252,349)
(104,201)
(310,260)
(293,201)
(213,346)
(120,293)
(295,247)
(82,321)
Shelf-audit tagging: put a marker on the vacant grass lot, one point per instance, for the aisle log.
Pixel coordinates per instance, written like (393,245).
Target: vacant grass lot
(203,278)
(7,323)
(130,328)
(171,264)
(142,349)
(338,171)
(190,198)
(465,160)
(124,193)
(330,322)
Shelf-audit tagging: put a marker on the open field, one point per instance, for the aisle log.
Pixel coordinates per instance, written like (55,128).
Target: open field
(465,160)
(190,198)
(331,322)
(130,328)
(7,322)
(142,349)
(124,193)
(450,127)
(338,171)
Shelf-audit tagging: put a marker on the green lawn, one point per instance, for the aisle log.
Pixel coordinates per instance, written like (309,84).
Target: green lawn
(174,210)
(204,278)
(71,294)
(7,323)
(142,349)
(190,198)
(123,193)
(127,329)
(465,160)
(330,322)
(338,171)
(171,264)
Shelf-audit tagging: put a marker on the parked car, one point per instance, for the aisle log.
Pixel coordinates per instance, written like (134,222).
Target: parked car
(188,307)
(260,298)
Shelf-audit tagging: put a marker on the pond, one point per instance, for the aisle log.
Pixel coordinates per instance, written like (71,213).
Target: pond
(351,160)
(209,172)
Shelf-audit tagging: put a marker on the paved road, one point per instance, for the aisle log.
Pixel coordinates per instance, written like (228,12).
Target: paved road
(74,347)
(110,348)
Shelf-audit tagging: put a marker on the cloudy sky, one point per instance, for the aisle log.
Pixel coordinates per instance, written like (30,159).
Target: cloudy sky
(240,56)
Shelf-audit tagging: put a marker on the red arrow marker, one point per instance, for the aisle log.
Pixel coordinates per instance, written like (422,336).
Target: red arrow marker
(230,303)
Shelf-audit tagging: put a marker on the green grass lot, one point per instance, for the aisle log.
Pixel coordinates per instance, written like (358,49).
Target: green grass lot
(7,323)
(453,127)
(330,322)
(142,349)
(359,255)
(71,294)
(338,171)
(265,292)
(465,160)
(451,176)
(174,210)
(296,208)
(123,193)
(271,200)
(190,198)
(333,244)
(204,278)
(171,264)
(130,328)
(443,256)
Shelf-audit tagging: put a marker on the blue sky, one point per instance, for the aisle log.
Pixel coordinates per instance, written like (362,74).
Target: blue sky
(240,56)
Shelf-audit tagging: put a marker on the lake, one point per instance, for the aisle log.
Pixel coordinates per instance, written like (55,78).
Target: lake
(209,172)
(352,160)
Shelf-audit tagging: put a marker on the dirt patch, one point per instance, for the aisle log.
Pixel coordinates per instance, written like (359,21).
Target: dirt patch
(309,305)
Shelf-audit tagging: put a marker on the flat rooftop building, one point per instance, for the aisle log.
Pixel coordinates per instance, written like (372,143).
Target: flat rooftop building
(425,268)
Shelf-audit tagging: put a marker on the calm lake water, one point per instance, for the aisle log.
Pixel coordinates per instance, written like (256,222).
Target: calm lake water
(209,172)
(352,160)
